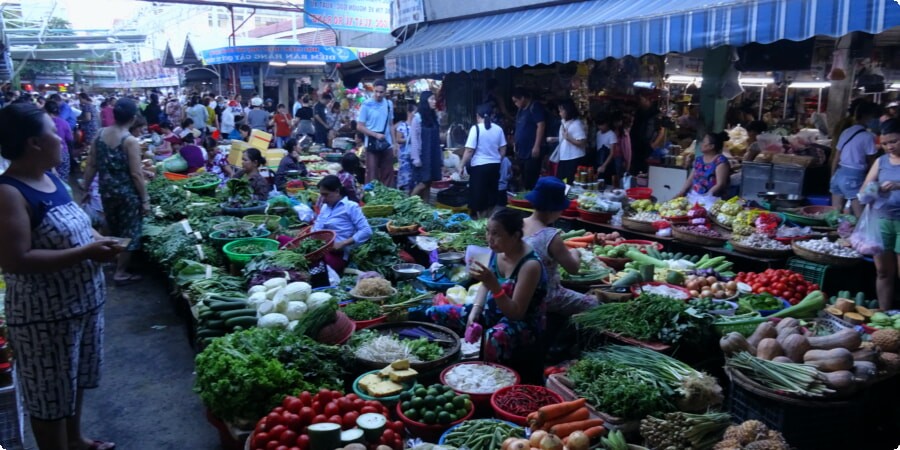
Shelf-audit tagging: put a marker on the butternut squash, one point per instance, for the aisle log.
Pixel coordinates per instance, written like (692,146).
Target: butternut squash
(768,349)
(846,339)
(865,355)
(763,330)
(787,322)
(785,332)
(782,359)
(865,312)
(841,380)
(864,371)
(834,311)
(735,342)
(829,360)
(854,318)
(795,346)
(845,304)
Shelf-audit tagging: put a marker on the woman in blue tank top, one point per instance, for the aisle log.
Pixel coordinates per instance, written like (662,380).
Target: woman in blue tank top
(55,288)
(885,173)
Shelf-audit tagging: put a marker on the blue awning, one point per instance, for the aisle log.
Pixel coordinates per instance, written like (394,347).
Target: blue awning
(599,29)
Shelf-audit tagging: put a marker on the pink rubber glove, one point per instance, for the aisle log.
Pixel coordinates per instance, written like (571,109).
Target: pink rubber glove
(473,333)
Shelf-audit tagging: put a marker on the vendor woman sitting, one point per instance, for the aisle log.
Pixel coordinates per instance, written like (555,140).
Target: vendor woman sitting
(711,170)
(342,216)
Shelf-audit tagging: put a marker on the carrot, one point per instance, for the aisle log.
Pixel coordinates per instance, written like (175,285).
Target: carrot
(595,432)
(564,429)
(532,420)
(574,416)
(555,411)
(570,244)
(586,238)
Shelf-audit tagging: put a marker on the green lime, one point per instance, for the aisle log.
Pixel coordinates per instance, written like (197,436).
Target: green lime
(421,392)
(449,406)
(406,405)
(429,417)
(405,395)
(459,402)
(411,414)
(460,413)
(430,401)
(417,402)
(468,404)
(444,418)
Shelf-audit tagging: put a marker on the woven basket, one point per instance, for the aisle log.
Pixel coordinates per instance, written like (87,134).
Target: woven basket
(315,256)
(409,229)
(765,253)
(697,239)
(594,217)
(377,210)
(828,260)
(637,225)
(712,217)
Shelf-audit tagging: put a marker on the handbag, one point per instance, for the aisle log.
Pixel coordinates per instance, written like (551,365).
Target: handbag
(380,145)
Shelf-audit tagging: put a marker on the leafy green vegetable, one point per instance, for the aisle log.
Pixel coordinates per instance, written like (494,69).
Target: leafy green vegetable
(363,310)
(313,320)
(617,389)
(308,246)
(425,350)
(383,195)
(648,317)
(378,254)
(200,180)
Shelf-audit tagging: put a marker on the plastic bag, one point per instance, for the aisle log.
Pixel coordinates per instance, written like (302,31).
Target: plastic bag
(705,200)
(866,237)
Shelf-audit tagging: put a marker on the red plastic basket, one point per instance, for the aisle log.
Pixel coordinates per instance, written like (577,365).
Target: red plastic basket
(429,433)
(519,203)
(326,235)
(478,399)
(172,176)
(639,193)
(518,420)
(594,217)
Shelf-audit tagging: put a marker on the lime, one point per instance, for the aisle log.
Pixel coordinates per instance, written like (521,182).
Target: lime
(449,406)
(405,395)
(406,405)
(430,401)
(411,414)
(421,392)
(417,402)
(459,402)
(429,417)
(444,417)
(460,413)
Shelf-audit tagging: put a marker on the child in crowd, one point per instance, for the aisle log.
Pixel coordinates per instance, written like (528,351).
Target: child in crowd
(192,154)
(506,176)
(186,124)
(217,161)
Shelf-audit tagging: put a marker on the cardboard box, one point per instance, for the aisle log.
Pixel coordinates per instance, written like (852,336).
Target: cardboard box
(260,140)
(236,152)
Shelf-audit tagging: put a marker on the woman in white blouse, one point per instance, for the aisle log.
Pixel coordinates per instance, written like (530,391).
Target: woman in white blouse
(572,141)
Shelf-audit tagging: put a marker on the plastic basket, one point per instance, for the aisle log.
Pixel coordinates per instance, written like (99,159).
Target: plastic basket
(805,424)
(325,235)
(267,244)
(811,272)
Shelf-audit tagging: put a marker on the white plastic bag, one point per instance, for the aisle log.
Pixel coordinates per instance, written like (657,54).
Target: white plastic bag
(866,236)
(705,200)
(304,213)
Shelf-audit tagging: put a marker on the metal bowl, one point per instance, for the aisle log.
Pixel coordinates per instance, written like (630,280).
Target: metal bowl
(451,257)
(790,201)
(407,271)
(768,196)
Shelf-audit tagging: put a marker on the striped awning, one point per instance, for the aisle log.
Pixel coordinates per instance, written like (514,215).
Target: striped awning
(599,29)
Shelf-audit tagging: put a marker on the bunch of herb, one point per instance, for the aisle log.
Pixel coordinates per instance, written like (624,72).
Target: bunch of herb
(313,320)
(378,254)
(383,195)
(308,246)
(648,317)
(276,264)
(250,248)
(238,193)
(362,310)
(171,245)
(410,210)
(202,179)
(617,389)
(244,375)
(220,283)
(204,218)
(402,221)
(425,350)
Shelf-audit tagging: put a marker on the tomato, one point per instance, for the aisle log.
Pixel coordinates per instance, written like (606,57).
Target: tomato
(358,404)
(336,395)
(345,404)
(349,419)
(294,448)
(324,396)
(272,445)
(306,398)
(306,415)
(292,404)
(351,396)
(398,443)
(289,437)
(320,418)
(274,419)
(369,409)
(277,431)
(294,422)
(373,403)
(336,419)
(388,435)
(282,447)
(331,409)
(303,441)
(261,438)
(318,406)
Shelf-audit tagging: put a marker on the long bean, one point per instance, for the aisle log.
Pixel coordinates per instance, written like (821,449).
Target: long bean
(801,379)
(482,434)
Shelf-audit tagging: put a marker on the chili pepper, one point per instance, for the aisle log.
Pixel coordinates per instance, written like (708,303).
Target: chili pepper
(522,399)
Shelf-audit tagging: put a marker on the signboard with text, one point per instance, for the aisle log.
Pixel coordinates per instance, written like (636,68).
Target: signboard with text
(406,12)
(278,53)
(357,15)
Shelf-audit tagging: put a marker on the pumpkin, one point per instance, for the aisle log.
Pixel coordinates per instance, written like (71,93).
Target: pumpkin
(787,322)
(735,342)
(865,355)
(763,330)
(768,349)
(785,332)
(845,304)
(847,339)
(795,346)
(829,360)
(841,380)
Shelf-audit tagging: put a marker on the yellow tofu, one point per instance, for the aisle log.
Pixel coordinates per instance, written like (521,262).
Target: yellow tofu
(386,372)
(367,382)
(385,389)
(401,376)
(400,364)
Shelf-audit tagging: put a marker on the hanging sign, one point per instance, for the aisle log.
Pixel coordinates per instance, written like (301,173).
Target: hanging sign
(358,15)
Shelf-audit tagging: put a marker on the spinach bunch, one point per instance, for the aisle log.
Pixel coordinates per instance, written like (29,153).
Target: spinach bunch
(378,254)
(617,389)
(648,317)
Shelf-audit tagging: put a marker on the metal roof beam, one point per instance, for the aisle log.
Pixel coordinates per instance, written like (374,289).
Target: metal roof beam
(106,39)
(233,4)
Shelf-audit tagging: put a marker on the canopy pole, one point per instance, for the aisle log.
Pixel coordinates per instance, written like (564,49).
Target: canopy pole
(762,96)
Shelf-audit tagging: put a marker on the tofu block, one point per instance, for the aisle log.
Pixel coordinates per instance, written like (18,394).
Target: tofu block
(367,382)
(386,372)
(400,364)
(401,376)
(385,389)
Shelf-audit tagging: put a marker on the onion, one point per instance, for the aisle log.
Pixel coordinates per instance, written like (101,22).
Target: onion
(519,444)
(578,441)
(536,437)
(551,442)
(507,442)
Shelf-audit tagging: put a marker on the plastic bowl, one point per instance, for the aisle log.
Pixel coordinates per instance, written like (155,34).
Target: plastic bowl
(389,400)
(769,312)
(239,224)
(430,433)
(272,222)
(220,240)
(518,420)
(269,245)
(479,399)
(378,223)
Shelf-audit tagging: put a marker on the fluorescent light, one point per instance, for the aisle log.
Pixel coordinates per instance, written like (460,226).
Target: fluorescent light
(756,81)
(895,86)
(306,63)
(644,84)
(809,84)
(277,64)
(683,79)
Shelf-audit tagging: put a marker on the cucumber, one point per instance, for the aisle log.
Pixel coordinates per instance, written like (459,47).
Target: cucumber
(695,258)
(207,333)
(678,256)
(208,315)
(627,280)
(711,262)
(246,312)
(241,321)
(226,306)
(860,298)
(653,252)
(217,324)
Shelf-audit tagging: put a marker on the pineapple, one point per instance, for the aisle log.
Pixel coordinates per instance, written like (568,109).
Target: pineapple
(728,444)
(752,430)
(767,444)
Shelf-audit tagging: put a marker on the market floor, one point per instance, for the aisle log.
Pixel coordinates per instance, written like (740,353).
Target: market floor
(145,399)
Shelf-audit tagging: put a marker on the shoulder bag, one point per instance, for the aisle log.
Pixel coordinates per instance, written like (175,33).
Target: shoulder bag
(380,145)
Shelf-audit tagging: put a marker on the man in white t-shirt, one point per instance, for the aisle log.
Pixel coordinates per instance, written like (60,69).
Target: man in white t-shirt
(854,146)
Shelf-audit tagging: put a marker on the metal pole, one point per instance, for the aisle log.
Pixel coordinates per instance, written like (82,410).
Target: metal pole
(819,102)
(762,95)
(787,90)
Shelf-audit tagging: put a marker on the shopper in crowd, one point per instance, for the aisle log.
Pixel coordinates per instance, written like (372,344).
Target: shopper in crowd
(282,121)
(304,117)
(335,121)
(884,196)
(622,127)
(549,200)
(174,111)
(855,148)
(425,146)
(197,113)
(191,152)
(165,148)
(754,129)
(211,117)
(506,177)
(116,159)
(257,118)
(153,110)
(531,125)
(290,163)
(89,119)
(647,133)
(251,161)
(572,141)
(499,112)
(67,140)
(510,301)
(710,175)
(217,160)
(320,119)
(244,131)
(374,121)
(342,216)
(890,111)
(484,146)
(401,137)
(65,111)
(348,175)
(607,143)
(106,113)
(228,130)
(55,289)
(269,106)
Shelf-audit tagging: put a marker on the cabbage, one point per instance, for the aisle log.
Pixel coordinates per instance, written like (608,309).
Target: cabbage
(297,291)
(295,310)
(317,299)
(273,283)
(257,288)
(273,320)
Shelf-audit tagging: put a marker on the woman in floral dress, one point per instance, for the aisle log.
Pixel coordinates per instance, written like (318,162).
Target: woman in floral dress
(90,118)
(510,301)
(710,176)
(401,133)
